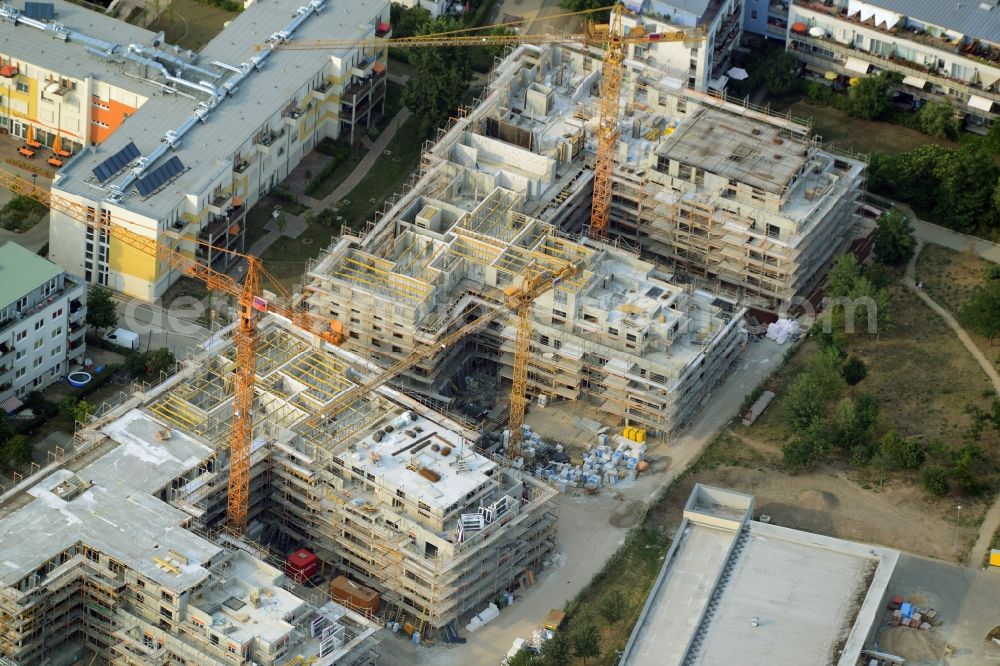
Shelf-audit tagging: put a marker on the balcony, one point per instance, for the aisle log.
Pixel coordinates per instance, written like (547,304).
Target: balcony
(219,202)
(241,164)
(973,49)
(800,44)
(383,29)
(360,89)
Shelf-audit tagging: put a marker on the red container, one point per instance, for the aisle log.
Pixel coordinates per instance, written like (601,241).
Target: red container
(301,565)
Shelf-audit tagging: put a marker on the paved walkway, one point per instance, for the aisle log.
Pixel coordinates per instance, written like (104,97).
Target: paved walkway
(991,522)
(296,224)
(953,240)
(364,166)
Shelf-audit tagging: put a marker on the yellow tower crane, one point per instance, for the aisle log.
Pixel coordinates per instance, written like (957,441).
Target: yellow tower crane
(610,36)
(250,304)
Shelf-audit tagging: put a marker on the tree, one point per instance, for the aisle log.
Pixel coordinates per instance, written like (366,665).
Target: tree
(938,119)
(612,606)
(555,651)
(135,363)
(522,658)
(16,451)
(869,99)
(804,402)
(586,641)
(442,78)
(982,311)
(407,22)
(842,276)
(82,411)
(967,178)
(853,371)
(894,242)
(160,360)
(935,481)
(963,469)
(901,453)
(780,73)
(66,406)
(101,310)
(810,447)
(912,176)
(581,5)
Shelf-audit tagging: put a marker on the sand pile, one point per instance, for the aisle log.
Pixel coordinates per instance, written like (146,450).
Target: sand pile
(913,645)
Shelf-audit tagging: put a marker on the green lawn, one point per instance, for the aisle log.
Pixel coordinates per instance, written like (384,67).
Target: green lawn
(285,260)
(387,176)
(863,136)
(343,159)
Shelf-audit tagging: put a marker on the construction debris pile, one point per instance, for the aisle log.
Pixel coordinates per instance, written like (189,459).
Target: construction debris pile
(613,460)
(783,330)
(905,614)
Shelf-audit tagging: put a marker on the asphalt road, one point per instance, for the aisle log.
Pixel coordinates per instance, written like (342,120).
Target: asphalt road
(178,328)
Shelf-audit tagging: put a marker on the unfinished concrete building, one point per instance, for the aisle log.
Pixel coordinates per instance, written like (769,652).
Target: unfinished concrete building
(124,556)
(500,193)
(97,559)
(386,491)
(751,202)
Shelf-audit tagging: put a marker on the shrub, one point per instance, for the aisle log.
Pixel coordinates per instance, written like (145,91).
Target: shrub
(935,481)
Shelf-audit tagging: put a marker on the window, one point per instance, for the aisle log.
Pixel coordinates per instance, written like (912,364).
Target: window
(166,612)
(39,324)
(39,343)
(166,596)
(558,313)
(560,296)
(56,351)
(773,231)
(37,362)
(19,354)
(57,313)
(56,333)
(753,14)
(22,87)
(19,373)
(20,335)
(612,331)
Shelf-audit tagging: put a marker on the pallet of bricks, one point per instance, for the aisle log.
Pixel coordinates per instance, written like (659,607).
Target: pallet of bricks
(906,614)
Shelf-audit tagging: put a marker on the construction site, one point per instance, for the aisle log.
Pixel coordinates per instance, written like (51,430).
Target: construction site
(588,234)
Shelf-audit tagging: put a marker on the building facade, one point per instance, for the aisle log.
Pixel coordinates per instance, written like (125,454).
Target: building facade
(42,322)
(507,188)
(944,51)
(219,130)
(767,18)
(701,65)
(162,596)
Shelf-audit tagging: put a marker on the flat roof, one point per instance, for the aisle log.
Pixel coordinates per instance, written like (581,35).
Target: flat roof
(805,593)
(111,507)
(972,18)
(206,150)
(419,443)
(22,271)
(69,57)
(736,591)
(232,607)
(759,154)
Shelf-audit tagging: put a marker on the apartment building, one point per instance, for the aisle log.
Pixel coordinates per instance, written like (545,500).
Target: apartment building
(98,561)
(386,491)
(63,91)
(742,198)
(767,18)
(945,51)
(503,192)
(42,322)
(219,129)
(701,65)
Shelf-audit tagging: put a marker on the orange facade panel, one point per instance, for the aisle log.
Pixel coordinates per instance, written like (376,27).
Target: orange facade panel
(105,117)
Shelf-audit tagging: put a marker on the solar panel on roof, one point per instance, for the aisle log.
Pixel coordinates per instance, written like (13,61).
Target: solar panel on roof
(43,11)
(159,176)
(109,167)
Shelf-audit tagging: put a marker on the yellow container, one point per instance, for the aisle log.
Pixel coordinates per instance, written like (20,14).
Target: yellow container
(640,436)
(995,558)
(628,433)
